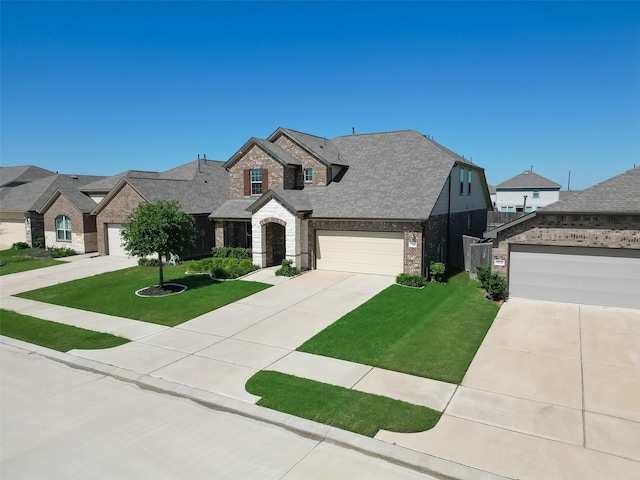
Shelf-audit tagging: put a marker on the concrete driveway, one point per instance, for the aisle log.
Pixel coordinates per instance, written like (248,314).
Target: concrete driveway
(553,392)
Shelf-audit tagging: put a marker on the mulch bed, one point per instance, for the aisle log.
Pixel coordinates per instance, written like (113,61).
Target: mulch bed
(156,291)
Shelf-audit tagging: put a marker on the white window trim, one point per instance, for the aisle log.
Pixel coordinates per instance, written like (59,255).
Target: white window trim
(308,175)
(65,230)
(255,182)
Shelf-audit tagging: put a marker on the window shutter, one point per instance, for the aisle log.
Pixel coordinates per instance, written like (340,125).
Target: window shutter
(265,180)
(247,182)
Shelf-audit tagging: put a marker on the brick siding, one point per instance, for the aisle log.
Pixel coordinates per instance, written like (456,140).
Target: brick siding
(603,231)
(117,210)
(257,158)
(320,172)
(83,227)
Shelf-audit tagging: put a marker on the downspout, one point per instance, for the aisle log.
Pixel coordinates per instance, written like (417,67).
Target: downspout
(448,219)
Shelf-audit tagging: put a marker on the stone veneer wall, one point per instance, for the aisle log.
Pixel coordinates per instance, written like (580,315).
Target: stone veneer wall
(412,254)
(120,206)
(603,231)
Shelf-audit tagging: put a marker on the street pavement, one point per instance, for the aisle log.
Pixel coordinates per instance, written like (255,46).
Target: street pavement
(64,423)
(552,393)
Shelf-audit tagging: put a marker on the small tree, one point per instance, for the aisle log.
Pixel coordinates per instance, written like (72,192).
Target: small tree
(160,227)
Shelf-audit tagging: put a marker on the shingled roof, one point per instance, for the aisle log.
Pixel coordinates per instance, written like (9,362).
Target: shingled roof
(397,175)
(620,194)
(32,196)
(14,176)
(528,180)
(199,186)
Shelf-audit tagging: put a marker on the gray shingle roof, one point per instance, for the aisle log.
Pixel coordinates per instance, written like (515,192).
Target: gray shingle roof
(620,194)
(276,152)
(106,184)
(295,200)
(22,174)
(236,208)
(393,175)
(32,196)
(207,191)
(528,179)
(320,147)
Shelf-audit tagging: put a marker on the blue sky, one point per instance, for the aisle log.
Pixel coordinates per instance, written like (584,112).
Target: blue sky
(101,87)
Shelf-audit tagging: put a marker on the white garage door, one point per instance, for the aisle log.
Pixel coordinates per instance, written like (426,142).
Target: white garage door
(593,276)
(363,252)
(114,241)
(12,231)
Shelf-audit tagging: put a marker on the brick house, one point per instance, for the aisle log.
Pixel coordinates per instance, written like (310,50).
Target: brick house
(199,186)
(378,203)
(584,249)
(24,199)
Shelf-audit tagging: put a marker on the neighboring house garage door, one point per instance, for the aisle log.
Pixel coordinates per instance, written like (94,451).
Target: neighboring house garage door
(363,252)
(114,240)
(593,276)
(11,231)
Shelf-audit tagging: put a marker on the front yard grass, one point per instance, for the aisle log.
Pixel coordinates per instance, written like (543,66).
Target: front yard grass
(56,336)
(340,407)
(113,293)
(434,332)
(18,260)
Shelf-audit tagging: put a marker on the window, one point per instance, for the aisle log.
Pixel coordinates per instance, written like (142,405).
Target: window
(536,193)
(529,208)
(308,175)
(249,234)
(461,181)
(256,181)
(507,209)
(63,228)
(468,182)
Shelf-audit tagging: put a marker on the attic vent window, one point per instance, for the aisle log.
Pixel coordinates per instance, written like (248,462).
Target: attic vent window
(536,193)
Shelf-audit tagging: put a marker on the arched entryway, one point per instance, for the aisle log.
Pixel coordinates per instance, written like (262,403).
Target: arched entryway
(275,243)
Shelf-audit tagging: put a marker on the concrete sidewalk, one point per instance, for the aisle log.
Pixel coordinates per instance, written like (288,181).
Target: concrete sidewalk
(536,402)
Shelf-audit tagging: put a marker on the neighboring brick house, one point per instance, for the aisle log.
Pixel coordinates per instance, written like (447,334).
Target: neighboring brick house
(199,186)
(584,249)
(525,193)
(23,199)
(377,203)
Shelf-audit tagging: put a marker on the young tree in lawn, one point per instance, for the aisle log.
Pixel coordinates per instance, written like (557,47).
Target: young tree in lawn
(158,228)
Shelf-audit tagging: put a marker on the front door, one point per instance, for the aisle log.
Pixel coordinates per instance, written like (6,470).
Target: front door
(275,244)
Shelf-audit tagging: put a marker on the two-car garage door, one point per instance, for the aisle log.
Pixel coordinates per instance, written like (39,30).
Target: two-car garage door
(363,252)
(592,276)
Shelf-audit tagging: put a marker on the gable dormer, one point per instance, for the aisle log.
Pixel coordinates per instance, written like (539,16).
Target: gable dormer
(318,156)
(259,166)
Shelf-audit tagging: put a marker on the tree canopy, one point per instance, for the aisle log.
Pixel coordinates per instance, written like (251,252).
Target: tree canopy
(158,228)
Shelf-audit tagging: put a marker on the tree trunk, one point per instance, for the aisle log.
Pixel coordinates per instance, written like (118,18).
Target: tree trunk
(161,284)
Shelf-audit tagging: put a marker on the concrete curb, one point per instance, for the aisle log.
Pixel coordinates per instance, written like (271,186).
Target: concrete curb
(414,460)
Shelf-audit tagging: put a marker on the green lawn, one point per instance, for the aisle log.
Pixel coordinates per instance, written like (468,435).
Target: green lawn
(347,409)
(113,293)
(17,261)
(434,332)
(54,335)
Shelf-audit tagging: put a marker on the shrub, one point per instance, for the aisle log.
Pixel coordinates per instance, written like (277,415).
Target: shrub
(497,286)
(38,242)
(436,270)
(411,280)
(20,245)
(222,268)
(148,262)
(483,272)
(56,252)
(287,269)
(232,252)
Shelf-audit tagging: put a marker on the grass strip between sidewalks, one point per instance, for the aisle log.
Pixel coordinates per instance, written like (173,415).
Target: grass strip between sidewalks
(18,260)
(113,293)
(358,412)
(56,336)
(434,332)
